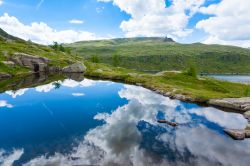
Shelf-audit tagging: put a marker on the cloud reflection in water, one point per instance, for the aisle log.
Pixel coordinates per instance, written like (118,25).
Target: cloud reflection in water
(131,129)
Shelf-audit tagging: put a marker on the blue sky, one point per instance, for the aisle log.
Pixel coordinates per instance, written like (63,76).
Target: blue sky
(57,13)
(118,18)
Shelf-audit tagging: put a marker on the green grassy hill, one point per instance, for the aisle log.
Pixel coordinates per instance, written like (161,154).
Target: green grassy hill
(146,53)
(10,45)
(157,54)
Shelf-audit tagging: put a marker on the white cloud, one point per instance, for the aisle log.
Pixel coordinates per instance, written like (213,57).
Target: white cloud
(78,94)
(237,121)
(4,103)
(40,32)
(9,159)
(14,94)
(1,2)
(76,21)
(72,83)
(153,18)
(45,88)
(230,23)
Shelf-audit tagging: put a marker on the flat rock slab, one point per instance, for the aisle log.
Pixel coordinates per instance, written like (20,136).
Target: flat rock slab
(236,133)
(240,104)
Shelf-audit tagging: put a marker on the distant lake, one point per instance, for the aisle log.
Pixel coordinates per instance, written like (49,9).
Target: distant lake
(233,78)
(76,121)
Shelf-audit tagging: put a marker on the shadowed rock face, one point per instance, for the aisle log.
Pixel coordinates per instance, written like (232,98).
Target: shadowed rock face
(36,64)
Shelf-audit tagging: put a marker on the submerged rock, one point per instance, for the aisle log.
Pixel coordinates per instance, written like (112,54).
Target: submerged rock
(168,122)
(236,134)
(35,63)
(77,67)
(241,104)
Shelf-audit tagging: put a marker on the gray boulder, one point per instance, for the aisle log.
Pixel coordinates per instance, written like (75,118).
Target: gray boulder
(35,63)
(236,133)
(77,67)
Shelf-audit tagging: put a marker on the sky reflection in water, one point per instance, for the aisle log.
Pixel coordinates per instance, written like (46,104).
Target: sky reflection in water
(105,123)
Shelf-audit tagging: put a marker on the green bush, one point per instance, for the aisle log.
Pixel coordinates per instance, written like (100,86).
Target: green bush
(247,92)
(192,71)
(95,59)
(115,60)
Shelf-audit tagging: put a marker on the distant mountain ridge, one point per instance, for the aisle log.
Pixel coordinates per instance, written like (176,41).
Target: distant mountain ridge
(158,54)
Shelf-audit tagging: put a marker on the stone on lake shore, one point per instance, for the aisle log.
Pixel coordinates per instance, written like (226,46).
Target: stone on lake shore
(247,115)
(240,104)
(236,134)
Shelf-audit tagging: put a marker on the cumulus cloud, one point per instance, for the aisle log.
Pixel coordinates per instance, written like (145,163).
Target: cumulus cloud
(15,94)
(4,103)
(153,18)
(72,83)
(40,32)
(76,21)
(45,88)
(237,121)
(8,159)
(229,24)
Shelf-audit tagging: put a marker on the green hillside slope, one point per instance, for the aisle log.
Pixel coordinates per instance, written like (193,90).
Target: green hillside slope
(10,45)
(157,54)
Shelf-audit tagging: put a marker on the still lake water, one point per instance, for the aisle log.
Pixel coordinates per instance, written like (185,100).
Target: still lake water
(88,122)
(233,78)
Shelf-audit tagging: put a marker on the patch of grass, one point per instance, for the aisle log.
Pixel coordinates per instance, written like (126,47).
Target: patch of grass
(9,47)
(247,92)
(200,89)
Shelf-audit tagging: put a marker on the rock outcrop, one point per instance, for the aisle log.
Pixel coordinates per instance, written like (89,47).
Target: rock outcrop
(4,75)
(77,67)
(35,63)
(240,104)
